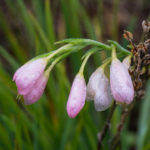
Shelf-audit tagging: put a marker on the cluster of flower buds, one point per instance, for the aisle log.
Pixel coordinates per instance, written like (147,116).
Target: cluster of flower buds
(32,77)
(100,89)
(31,80)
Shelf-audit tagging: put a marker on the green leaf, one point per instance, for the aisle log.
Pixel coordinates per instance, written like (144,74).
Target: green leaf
(144,122)
(9,58)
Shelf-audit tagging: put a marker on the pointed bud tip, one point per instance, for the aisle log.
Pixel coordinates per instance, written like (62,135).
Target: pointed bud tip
(121,83)
(77,96)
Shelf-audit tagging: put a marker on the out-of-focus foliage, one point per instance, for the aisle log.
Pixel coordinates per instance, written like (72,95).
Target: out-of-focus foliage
(29,28)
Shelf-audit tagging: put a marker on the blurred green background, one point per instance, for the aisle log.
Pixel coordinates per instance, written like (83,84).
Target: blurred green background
(29,28)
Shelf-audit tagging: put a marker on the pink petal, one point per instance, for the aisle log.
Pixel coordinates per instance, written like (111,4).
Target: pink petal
(36,91)
(26,76)
(77,96)
(127,61)
(121,83)
(98,89)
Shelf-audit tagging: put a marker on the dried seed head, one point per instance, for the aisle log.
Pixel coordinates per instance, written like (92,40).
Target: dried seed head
(146,26)
(128,35)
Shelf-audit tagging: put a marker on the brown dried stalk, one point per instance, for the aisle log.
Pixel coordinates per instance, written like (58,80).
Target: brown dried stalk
(140,72)
(106,127)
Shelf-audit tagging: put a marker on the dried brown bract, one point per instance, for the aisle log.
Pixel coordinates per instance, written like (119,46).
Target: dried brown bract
(139,69)
(128,35)
(146,26)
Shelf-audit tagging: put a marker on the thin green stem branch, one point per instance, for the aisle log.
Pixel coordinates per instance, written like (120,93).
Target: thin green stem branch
(60,50)
(106,127)
(84,63)
(124,115)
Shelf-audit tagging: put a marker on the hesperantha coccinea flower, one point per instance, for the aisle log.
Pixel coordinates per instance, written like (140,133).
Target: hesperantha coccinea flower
(77,96)
(98,89)
(120,82)
(30,79)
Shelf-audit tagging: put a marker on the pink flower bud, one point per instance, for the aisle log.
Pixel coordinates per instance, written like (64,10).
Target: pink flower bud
(36,91)
(103,100)
(121,83)
(98,88)
(26,76)
(77,96)
(127,61)
(94,84)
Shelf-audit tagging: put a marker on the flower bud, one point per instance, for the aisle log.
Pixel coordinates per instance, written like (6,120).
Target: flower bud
(94,83)
(127,61)
(77,96)
(36,91)
(103,100)
(26,76)
(120,82)
(98,89)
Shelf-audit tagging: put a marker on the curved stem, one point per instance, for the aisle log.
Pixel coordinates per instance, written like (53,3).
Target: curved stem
(55,62)
(60,50)
(86,42)
(105,63)
(114,53)
(106,127)
(124,115)
(84,63)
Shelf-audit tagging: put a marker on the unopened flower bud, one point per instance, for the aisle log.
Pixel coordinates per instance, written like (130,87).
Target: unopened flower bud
(29,75)
(98,89)
(37,90)
(121,83)
(77,96)
(127,61)
(94,84)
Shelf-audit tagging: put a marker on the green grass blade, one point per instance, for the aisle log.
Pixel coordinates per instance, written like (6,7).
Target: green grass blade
(9,58)
(144,119)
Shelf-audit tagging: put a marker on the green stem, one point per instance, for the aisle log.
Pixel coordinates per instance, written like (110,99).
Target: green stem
(114,53)
(119,47)
(105,63)
(60,50)
(88,42)
(106,127)
(58,59)
(84,63)
(85,42)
